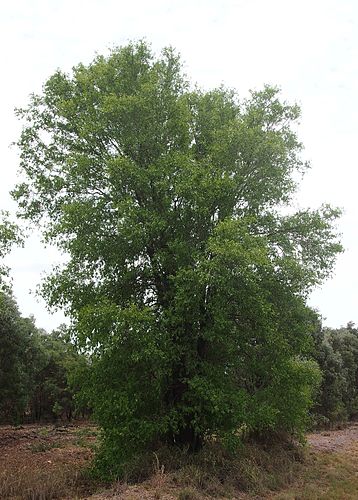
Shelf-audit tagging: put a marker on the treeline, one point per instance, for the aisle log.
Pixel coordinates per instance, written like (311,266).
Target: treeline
(336,352)
(39,372)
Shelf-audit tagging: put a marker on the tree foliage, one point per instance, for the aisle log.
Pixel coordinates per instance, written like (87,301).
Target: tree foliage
(184,280)
(9,236)
(53,389)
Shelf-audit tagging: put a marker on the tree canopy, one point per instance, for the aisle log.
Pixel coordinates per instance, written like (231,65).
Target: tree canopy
(187,277)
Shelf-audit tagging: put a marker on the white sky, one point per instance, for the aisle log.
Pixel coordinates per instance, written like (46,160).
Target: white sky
(308,48)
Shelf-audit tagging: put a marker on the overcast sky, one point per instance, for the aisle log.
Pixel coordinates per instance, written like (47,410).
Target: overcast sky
(308,48)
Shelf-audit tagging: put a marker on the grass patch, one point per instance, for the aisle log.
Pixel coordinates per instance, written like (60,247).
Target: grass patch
(87,432)
(327,476)
(45,431)
(41,447)
(84,443)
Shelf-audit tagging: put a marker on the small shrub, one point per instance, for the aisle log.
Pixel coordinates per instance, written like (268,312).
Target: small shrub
(44,432)
(42,446)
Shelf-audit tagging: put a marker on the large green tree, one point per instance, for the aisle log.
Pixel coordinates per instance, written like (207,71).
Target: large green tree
(184,278)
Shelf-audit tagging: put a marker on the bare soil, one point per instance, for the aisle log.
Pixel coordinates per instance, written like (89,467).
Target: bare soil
(43,462)
(334,440)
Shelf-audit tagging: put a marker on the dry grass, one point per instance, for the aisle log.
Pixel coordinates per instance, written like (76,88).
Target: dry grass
(46,485)
(214,472)
(326,476)
(43,462)
(256,470)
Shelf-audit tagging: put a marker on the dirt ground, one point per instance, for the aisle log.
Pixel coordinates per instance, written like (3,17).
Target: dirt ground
(43,462)
(334,440)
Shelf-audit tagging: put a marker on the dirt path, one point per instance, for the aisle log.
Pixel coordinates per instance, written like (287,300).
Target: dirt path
(334,440)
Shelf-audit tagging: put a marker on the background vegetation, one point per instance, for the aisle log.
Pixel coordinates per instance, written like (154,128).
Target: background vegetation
(37,370)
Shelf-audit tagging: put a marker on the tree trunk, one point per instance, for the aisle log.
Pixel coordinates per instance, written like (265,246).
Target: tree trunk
(187,438)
